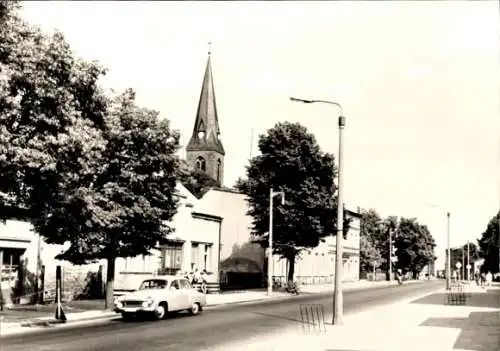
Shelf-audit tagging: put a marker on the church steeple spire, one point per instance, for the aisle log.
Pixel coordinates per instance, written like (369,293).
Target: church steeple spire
(204,150)
(206,131)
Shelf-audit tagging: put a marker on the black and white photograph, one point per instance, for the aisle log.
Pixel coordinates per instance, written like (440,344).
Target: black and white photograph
(250,175)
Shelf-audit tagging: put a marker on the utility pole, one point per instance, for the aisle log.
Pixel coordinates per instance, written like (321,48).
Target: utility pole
(270,252)
(272,194)
(468,261)
(390,255)
(338,299)
(448,253)
(463,263)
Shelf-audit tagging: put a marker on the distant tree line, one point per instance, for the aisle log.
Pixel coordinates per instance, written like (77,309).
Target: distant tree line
(412,242)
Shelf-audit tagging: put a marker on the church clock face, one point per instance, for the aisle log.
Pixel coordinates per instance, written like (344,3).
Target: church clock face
(201,135)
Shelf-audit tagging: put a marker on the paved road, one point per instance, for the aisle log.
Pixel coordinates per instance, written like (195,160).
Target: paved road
(183,332)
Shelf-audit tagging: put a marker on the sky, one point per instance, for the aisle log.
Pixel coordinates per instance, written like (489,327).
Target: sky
(418,83)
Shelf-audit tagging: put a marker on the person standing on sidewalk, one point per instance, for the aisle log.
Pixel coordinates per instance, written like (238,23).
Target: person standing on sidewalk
(489,278)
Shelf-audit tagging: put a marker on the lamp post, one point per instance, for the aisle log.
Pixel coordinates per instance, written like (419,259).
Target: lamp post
(337,294)
(272,194)
(448,252)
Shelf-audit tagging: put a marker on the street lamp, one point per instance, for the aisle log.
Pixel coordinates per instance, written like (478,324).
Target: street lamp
(448,252)
(337,294)
(272,194)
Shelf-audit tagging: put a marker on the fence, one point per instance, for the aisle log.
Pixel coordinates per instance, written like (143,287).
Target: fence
(21,286)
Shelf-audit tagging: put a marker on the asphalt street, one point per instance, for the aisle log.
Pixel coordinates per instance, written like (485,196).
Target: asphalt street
(207,330)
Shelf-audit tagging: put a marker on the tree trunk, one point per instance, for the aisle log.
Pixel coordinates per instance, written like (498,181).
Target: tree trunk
(291,267)
(110,280)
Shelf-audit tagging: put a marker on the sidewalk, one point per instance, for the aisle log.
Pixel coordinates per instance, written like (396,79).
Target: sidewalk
(422,323)
(213,300)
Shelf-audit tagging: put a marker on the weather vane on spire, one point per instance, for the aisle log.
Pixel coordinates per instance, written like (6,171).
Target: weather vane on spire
(209,48)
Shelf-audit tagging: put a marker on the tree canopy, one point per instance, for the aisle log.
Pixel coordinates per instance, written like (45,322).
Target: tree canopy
(50,103)
(93,171)
(489,245)
(292,162)
(413,243)
(415,246)
(195,180)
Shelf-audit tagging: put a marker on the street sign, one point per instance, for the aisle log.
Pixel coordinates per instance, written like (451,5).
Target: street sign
(458,265)
(394,259)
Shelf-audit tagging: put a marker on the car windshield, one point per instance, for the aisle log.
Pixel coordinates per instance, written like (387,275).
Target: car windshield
(153,284)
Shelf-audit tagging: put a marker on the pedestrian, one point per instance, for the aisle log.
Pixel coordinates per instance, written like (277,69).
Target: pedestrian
(483,279)
(489,278)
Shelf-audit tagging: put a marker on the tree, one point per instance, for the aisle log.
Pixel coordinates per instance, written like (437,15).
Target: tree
(291,161)
(415,246)
(489,246)
(371,228)
(195,180)
(459,254)
(369,256)
(120,204)
(50,103)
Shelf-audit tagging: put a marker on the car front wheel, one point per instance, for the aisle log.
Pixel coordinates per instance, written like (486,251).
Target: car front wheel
(160,312)
(195,309)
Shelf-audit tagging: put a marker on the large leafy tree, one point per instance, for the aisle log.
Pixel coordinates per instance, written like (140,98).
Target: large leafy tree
(118,205)
(291,161)
(489,245)
(415,246)
(50,104)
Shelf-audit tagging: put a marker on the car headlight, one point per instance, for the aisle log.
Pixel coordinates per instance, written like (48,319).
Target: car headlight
(118,304)
(148,303)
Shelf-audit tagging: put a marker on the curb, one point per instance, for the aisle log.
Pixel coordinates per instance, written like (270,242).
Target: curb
(49,322)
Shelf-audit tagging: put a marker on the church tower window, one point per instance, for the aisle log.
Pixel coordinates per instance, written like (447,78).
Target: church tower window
(201,164)
(219,170)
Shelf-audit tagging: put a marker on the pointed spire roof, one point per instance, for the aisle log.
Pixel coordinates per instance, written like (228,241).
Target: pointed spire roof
(206,132)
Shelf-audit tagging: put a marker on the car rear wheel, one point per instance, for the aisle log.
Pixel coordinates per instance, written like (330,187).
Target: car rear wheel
(161,311)
(195,309)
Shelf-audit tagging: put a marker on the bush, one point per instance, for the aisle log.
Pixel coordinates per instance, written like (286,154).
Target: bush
(24,285)
(93,287)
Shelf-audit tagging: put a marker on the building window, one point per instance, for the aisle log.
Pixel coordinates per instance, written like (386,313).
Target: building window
(201,164)
(207,258)
(219,170)
(172,258)
(195,250)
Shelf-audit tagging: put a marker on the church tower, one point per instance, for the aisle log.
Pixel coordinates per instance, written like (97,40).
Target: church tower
(204,150)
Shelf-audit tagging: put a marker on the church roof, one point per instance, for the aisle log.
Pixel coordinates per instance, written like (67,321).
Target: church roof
(206,132)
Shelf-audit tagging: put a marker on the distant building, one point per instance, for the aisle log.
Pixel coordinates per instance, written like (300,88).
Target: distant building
(317,265)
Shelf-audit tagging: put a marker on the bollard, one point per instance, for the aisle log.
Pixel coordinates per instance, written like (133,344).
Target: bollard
(59,311)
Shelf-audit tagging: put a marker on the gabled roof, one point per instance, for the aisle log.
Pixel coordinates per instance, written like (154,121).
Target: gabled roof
(206,118)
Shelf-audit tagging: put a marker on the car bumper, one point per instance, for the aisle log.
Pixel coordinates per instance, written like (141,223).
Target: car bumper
(136,310)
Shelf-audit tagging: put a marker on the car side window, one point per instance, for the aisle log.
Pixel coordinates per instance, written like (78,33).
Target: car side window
(175,285)
(185,284)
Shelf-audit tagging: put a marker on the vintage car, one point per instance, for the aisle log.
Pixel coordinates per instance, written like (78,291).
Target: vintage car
(158,296)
